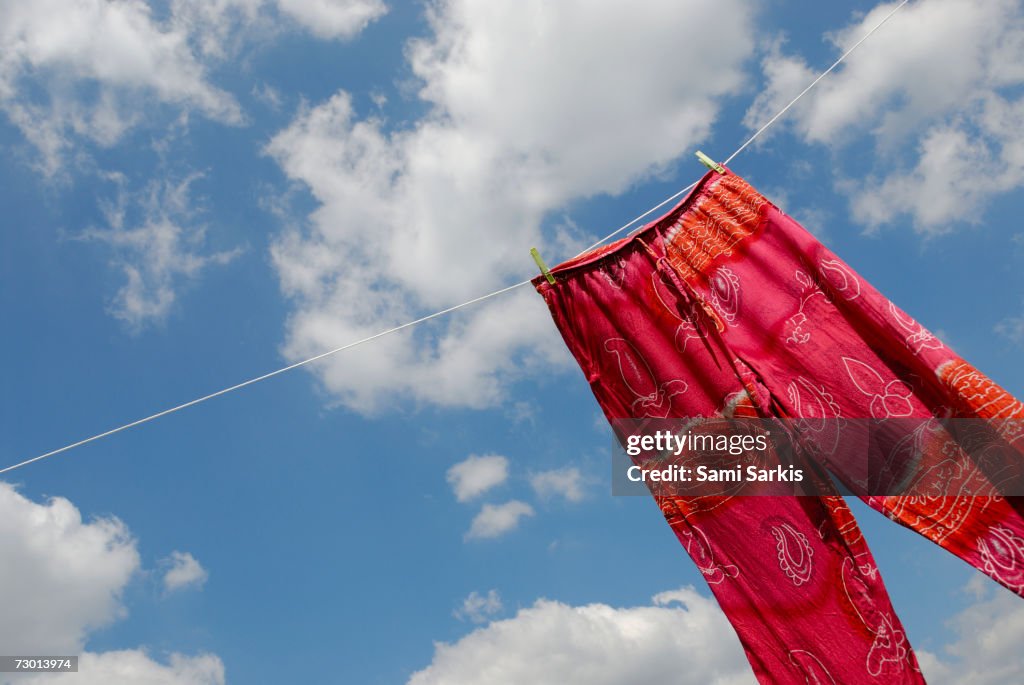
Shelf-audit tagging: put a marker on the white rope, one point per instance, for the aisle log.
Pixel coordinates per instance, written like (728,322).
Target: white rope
(265,376)
(449,310)
(815,81)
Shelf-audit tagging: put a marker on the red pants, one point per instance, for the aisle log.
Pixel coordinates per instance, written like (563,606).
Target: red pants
(726,306)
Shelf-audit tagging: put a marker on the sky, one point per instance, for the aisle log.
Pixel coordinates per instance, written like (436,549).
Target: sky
(196,192)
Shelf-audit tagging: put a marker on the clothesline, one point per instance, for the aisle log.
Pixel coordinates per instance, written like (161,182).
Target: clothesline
(467,303)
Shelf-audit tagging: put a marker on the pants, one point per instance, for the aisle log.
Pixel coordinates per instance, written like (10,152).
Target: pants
(725,306)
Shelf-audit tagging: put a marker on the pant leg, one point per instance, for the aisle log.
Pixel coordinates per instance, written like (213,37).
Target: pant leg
(792,574)
(830,346)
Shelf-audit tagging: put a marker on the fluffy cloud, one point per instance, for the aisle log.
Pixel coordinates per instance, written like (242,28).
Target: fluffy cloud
(682,637)
(552,642)
(986,650)
(90,60)
(1012,328)
(479,608)
(183,570)
(63,578)
(476,475)
(134,666)
(566,482)
(158,246)
(332,18)
(529,106)
(218,28)
(92,69)
(956,108)
(494,520)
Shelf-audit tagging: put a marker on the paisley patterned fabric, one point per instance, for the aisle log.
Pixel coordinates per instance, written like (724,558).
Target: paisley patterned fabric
(725,306)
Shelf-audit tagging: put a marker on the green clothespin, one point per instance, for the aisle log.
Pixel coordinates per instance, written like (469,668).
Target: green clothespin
(542,266)
(710,163)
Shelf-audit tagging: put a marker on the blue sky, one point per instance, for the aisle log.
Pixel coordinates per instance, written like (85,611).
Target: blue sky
(196,193)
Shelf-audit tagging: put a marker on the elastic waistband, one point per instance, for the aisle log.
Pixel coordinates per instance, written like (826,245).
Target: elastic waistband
(720,212)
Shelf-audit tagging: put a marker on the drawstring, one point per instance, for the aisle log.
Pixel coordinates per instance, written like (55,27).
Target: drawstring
(748,378)
(695,310)
(764,400)
(689,295)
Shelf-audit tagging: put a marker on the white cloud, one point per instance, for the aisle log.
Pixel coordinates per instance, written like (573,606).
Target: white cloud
(90,60)
(531,105)
(476,475)
(552,642)
(183,570)
(566,482)
(986,650)
(158,246)
(479,608)
(682,637)
(494,520)
(522,412)
(216,29)
(957,173)
(1012,328)
(941,80)
(136,667)
(219,28)
(268,95)
(93,69)
(63,578)
(333,18)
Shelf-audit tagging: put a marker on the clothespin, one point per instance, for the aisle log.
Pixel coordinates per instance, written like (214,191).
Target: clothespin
(541,265)
(710,163)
